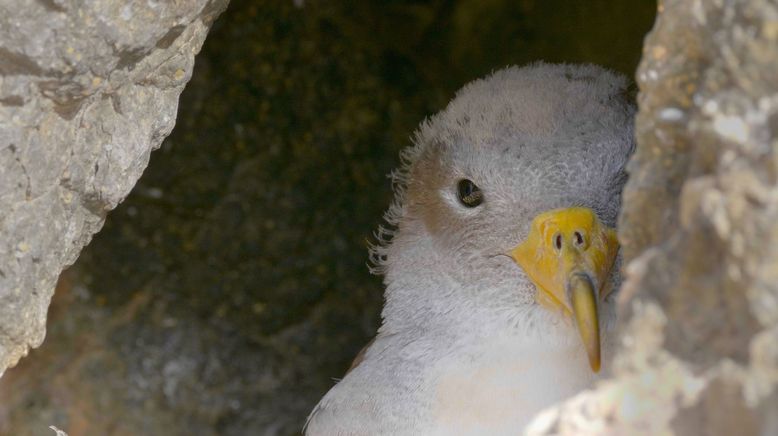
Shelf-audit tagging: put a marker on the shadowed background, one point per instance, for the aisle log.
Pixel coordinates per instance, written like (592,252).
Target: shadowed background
(229,290)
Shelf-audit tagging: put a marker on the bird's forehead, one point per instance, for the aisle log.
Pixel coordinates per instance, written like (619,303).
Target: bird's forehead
(516,157)
(544,114)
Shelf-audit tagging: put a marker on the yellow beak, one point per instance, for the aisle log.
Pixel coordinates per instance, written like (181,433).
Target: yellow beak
(568,255)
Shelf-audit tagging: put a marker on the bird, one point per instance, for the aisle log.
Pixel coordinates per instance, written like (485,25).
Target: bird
(499,256)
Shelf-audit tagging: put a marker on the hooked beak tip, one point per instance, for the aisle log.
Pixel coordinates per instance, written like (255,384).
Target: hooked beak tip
(583,301)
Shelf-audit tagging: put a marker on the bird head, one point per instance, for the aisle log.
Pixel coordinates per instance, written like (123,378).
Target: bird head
(510,197)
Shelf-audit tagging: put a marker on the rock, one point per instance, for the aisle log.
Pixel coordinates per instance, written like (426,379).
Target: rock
(87,91)
(699,233)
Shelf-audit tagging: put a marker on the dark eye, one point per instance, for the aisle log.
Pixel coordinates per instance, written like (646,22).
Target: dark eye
(469,194)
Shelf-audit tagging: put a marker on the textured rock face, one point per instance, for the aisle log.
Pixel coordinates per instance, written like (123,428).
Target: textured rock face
(700,233)
(87,90)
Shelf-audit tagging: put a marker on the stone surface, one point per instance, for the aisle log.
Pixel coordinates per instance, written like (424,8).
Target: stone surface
(87,90)
(699,231)
(231,287)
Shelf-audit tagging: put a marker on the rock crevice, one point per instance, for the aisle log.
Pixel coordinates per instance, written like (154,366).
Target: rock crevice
(698,229)
(87,91)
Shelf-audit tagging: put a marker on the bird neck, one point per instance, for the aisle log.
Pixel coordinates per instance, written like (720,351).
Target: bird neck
(417,294)
(420,296)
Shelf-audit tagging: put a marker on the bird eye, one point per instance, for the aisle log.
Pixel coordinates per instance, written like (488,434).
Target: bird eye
(469,194)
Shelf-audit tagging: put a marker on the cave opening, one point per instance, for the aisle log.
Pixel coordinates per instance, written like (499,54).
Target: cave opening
(230,287)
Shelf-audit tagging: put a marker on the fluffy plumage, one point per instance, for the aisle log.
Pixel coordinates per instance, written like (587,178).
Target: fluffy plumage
(464,348)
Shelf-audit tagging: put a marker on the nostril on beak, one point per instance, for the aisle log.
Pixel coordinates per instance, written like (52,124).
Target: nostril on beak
(558,241)
(578,238)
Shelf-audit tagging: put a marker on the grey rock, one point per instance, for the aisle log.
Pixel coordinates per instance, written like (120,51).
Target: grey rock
(87,90)
(699,231)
